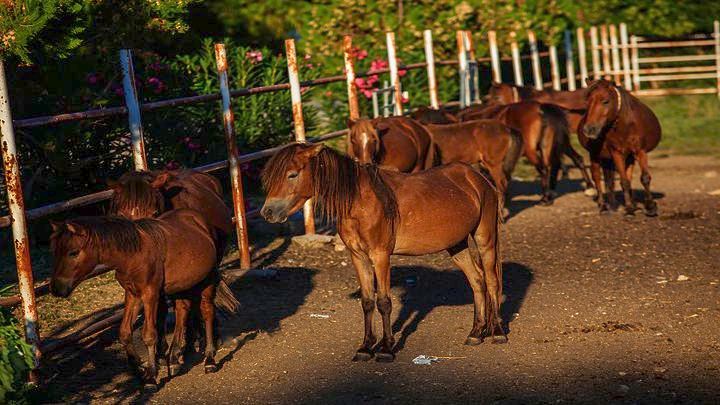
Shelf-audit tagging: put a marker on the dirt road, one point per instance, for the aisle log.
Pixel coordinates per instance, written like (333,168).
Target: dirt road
(599,309)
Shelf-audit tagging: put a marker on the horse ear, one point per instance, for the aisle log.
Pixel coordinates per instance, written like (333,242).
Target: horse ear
(382,127)
(113,184)
(160,180)
(495,84)
(56,225)
(588,81)
(314,149)
(351,123)
(74,229)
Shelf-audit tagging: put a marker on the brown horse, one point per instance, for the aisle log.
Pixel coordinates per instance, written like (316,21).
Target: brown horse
(427,115)
(572,102)
(545,138)
(618,129)
(492,144)
(381,212)
(149,194)
(394,143)
(173,255)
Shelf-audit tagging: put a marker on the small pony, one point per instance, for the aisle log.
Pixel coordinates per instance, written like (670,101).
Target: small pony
(394,143)
(381,212)
(173,255)
(618,129)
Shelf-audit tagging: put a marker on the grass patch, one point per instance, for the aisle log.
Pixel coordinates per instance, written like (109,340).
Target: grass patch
(690,124)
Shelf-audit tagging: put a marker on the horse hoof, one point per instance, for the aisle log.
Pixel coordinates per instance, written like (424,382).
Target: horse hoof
(384,357)
(605,211)
(210,368)
(651,210)
(546,202)
(362,355)
(499,340)
(175,369)
(590,192)
(473,341)
(629,212)
(150,388)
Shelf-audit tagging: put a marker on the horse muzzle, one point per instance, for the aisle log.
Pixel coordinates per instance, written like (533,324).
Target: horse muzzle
(60,287)
(592,131)
(274,212)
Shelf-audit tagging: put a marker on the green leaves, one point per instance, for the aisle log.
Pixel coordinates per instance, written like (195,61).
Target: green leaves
(16,359)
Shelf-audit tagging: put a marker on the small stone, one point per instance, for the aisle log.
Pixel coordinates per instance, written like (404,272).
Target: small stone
(623,389)
(312,241)
(711,174)
(683,278)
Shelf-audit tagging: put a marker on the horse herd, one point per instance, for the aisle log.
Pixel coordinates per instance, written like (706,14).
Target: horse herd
(434,181)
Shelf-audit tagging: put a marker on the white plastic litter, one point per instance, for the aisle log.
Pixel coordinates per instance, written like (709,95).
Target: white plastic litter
(424,360)
(321,316)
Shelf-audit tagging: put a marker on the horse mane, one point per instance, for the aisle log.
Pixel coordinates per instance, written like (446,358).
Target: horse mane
(335,181)
(136,191)
(119,233)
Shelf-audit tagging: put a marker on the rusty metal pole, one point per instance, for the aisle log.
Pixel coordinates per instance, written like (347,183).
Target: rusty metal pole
(636,65)
(133,107)
(517,63)
(353,106)
(537,74)
(494,57)
(606,68)
(625,56)
(462,66)
(430,59)
(582,56)
(569,61)
(394,76)
(554,69)
(595,53)
(308,208)
(473,70)
(233,155)
(16,203)
(716,34)
(614,48)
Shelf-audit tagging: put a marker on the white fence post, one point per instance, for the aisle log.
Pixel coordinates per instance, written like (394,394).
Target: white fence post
(494,57)
(394,76)
(554,68)
(537,74)
(716,34)
(606,68)
(582,56)
(430,59)
(625,55)
(569,61)
(517,62)
(615,53)
(594,45)
(133,107)
(635,63)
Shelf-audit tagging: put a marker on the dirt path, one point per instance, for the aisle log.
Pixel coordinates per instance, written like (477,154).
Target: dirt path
(599,308)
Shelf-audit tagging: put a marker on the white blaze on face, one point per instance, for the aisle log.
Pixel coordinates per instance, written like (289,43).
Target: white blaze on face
(364,139)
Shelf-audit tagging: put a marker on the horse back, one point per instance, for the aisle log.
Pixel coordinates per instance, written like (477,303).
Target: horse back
(406,146)
(647,125)
(190,253)
(201,192)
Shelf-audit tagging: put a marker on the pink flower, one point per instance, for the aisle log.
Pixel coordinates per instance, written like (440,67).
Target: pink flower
(371,80)
(328,93)
(158,85)
(186,139)
(360,82)
(378,64)
(402,72)
(367,93)
(193,146)
(92,78)
(404,100)
(309,66)
(361,54)
(307,56)
(254,56)
(172,165)
(155,66)
(119,91)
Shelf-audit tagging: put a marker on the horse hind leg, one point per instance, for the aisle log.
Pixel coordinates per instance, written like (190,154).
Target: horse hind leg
(381,264)
(486,242)
(580,164)
(465,261)
(176,351)
(207,310)
(645,178)
(366,279)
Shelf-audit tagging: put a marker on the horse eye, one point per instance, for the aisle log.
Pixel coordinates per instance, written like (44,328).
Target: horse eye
(606,102)
(74,253)
(292,175)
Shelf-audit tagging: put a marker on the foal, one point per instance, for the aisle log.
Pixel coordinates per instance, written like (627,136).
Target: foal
(380,213)
(172,255)
(618,129)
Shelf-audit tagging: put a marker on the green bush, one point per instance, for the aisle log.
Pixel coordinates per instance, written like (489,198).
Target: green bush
(16,359)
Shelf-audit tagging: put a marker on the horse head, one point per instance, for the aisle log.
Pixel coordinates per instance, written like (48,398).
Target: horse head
(139,194)
(287,179)
(74,257)
(364,136)
(604,102)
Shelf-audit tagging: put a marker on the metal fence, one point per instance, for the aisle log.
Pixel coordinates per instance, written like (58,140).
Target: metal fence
(605,55)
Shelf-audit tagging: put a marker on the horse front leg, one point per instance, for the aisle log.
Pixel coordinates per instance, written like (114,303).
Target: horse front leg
(650,204)
(621,166)
(609,177)
(207,309)
(130,314)
(364,271)
(150,299)
(595,170)
(179,341)
(381,263)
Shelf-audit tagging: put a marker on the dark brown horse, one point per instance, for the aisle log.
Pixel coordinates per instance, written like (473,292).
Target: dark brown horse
(617,130)
(149,194)
(427,115)
(490,143)
(394,143)
(572,102)
(381,212)
(173,255)
(545,138)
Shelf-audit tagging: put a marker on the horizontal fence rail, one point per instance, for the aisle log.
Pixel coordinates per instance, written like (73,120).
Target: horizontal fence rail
(614,54)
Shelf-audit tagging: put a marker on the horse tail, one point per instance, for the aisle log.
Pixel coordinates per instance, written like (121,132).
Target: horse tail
(225,299)
(555,130)
(513,154)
